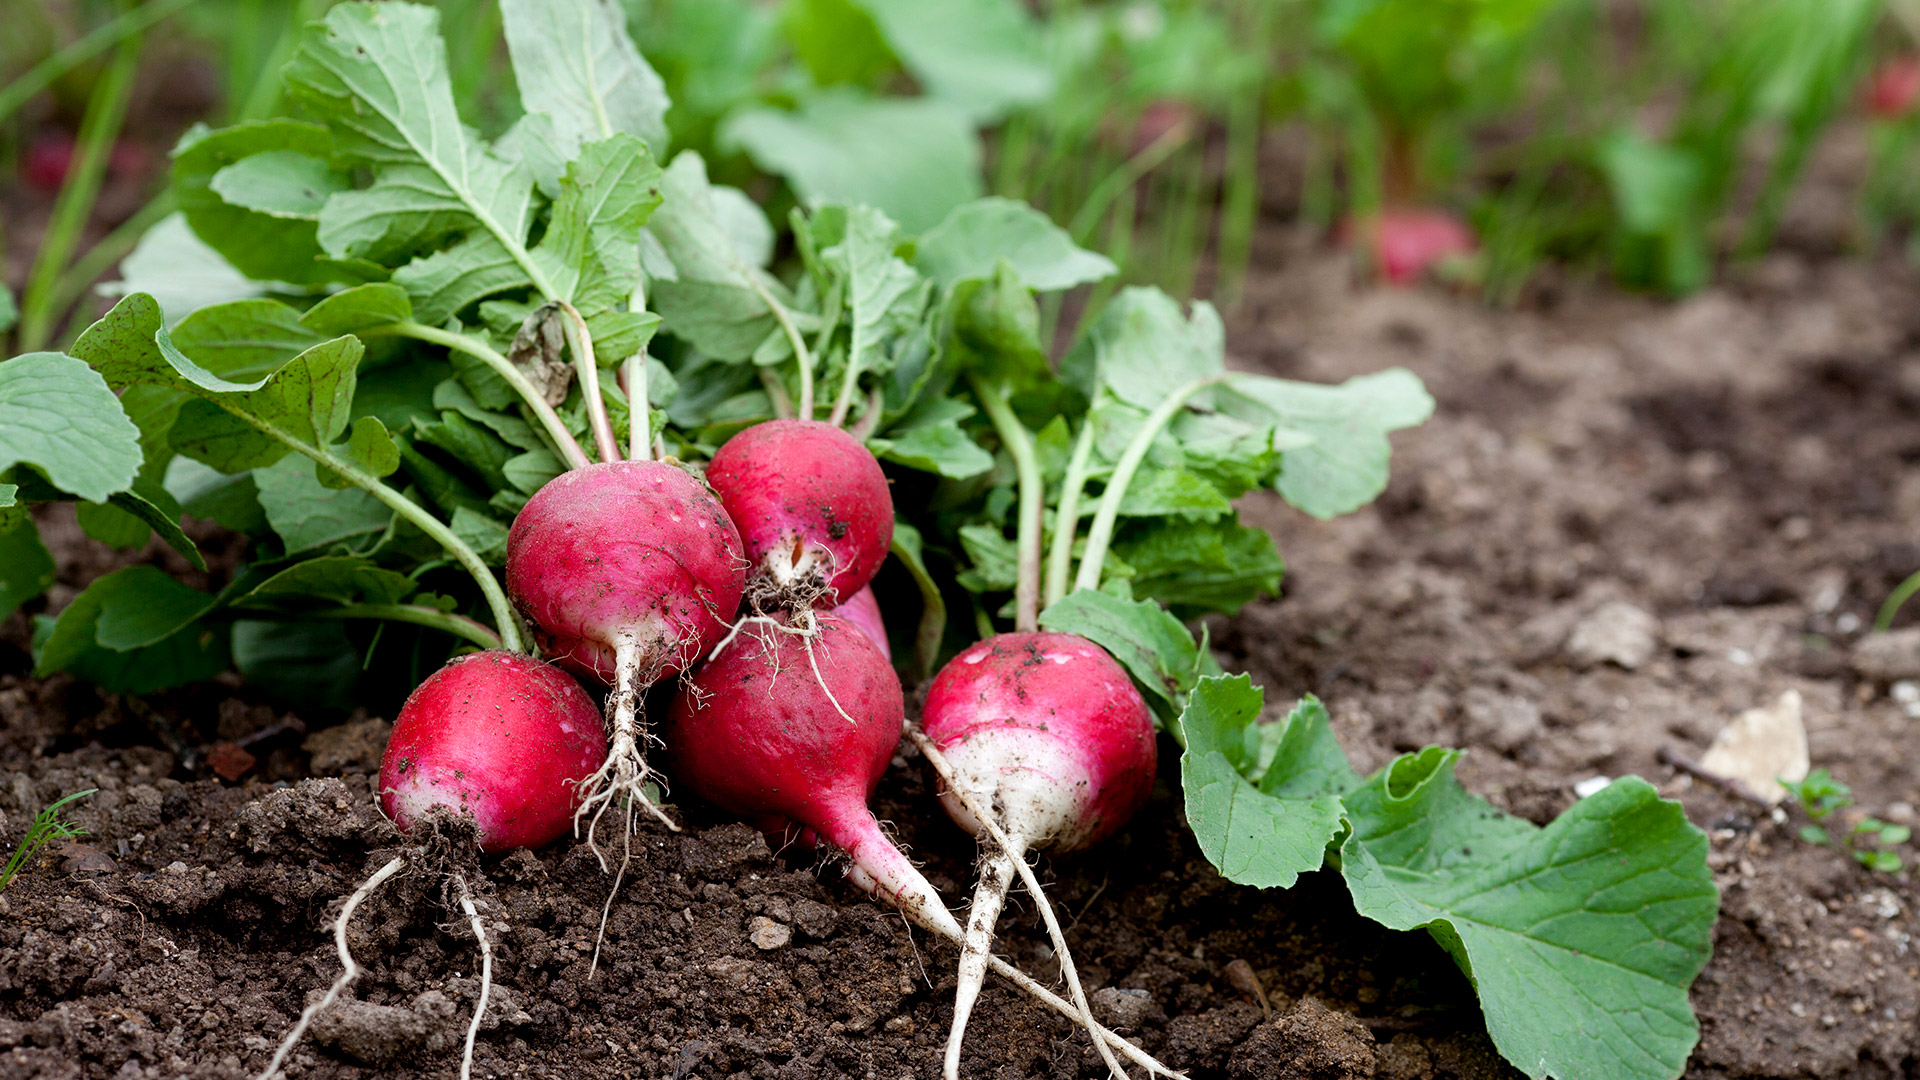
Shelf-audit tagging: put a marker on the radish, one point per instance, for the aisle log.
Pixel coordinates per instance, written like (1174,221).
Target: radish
(1894,87)
(755,736)
(1047,731)
(498,736)
(630,570)
(1406,243)
(812,507)
(863,611)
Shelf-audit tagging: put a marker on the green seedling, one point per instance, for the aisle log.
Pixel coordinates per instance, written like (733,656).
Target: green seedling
(1821,796)
(47,827)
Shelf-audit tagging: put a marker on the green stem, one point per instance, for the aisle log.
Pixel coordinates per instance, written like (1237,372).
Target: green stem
(1066,517)
(1019,444)
(1101,534)
(264,96)
(777,394)
(799,343)
(1125,176)
(106,111)
(563,441)
(419,615)
(503,613)
(82,49)
(113,247)
(589,370)
(1897,599)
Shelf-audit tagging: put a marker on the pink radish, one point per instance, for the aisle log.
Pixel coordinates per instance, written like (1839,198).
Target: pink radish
(1048,732)
(630,570)
(863,611)
(498,736)
(1408,242)
(764,732)
(812,507)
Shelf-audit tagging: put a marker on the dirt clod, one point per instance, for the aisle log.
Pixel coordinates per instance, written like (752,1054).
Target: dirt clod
(1310,1042)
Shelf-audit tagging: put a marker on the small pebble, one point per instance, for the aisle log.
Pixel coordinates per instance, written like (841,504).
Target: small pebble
(1592,785)
(768,935)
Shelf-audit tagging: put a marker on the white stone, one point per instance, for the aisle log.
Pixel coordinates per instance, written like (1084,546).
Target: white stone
(1762,747)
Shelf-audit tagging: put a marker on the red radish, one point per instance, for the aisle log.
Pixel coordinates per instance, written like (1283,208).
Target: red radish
(46,162)
(629,570)
(813,508)
(1406,243)
(1895,85)
(500,736)
(763,732)
(863,611)
(1160,120)
(1047,732)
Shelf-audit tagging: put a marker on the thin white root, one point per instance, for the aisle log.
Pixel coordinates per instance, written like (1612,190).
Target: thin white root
(625,773)
(806,631)
(996,873)
(1066,1008)
(606,909)
(350,970)
(486,975)
(1016,849)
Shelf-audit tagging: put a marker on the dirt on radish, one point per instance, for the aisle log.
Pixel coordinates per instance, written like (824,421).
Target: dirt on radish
(1738,467)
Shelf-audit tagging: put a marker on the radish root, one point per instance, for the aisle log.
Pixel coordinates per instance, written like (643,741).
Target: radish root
(350,972)
(807,630)
(1013,850)
(486,974)
(626,771)
(996,874)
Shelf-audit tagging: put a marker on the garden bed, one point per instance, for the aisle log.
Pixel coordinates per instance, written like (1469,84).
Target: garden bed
(1738,468)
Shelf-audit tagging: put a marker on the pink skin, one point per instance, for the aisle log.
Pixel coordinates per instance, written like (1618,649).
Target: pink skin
(1407,243)
(498,736)
(1046,732)
(633,551)
(810,502)
(1895,85)
(758,735)
(863,611)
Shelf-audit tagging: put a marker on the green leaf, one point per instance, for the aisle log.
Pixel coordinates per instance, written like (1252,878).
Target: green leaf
(941,448)
(915,159)
(1143,348)
(1150,643)
(470,445)
(236,426)
(232,502)
(995,561)
(1345,465)
(487,537)
(531,471)
(984,56)
(263,245)
(280,184)
(309,515)
(1581,938)
(590,252)
(368,448)
(377,75)
(59,416)
(111,526)
(1267,835)
(181,272)
(1196,567)
(133,631)
(360,308)
(575,64)
(312,663)
(401,395)
(713,298)
(26,570)
(9,309)
(837,40)
(243,339)
(342,579)
(994,330)
(880,288)
(972,239)
(154,508)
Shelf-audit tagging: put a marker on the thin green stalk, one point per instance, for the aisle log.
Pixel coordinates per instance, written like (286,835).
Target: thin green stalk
(581,344)
(1019,444)
(1066,516)
(1240,207)
(1129,173)
(264,96)
(106,111)
(799,343)
(563,441)
(777,394)
(419,615)
(106,254)
(1104,519)
(82,49)
(1897,599)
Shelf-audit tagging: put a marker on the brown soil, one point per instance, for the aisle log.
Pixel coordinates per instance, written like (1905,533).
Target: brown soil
(1739,467)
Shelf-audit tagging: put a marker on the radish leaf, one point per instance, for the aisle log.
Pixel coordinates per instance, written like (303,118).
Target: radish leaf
(575,63)
(974,237)
(58,416)
(26,569)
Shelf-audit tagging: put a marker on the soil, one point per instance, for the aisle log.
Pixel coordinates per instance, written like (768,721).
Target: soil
(1629,522)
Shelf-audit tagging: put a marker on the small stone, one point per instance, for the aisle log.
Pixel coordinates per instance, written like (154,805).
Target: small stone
(1761,747)
(1120,1009)
(175,867)
(768,935)
(1615,633)
(1889,657)
(229,762)
(1591,786)
(1501,721)
(82,859)
(898,1025)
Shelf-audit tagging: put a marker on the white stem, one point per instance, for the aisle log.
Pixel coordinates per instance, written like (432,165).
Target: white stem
(350,972)
(996,873)
(1016,847)
(625,773)
(486,974)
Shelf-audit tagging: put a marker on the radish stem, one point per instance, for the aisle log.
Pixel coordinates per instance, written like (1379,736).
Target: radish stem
(417,614)
(785,319)
(563,441)
(1066,517)
(1019,444)
(351,970)
(777,393)
(1101,533)
(639,405)
(581,344)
